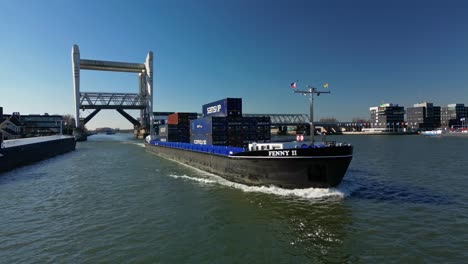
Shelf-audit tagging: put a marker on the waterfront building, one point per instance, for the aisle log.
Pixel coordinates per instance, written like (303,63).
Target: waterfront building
(450,116)
(42,125)
(387,117)
(423,116)
(10,126)
(34,125)
(436,110)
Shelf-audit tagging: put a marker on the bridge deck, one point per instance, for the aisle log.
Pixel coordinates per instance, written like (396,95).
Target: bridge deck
(99,65)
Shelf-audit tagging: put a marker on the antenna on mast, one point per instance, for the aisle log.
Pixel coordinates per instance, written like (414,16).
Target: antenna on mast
(311,91)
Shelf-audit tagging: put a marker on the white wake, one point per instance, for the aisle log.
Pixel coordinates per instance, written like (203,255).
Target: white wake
(344,190)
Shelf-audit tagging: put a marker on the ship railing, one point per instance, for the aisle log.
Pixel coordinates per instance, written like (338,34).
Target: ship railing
(220,150)
(325,144)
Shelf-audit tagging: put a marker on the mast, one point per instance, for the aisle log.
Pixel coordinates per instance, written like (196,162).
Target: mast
(311,92)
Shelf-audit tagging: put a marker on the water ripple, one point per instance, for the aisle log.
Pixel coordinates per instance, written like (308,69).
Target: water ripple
(110,201)
(383,190)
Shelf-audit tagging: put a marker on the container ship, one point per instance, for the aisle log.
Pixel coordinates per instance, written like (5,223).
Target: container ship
(238,148)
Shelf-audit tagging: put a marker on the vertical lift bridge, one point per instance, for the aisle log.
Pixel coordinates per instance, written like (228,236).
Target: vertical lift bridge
(97,101)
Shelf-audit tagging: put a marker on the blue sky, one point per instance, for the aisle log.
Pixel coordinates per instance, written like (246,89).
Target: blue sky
(370,52)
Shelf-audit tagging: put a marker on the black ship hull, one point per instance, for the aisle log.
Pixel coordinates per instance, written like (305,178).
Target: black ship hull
(287,168)
(25,154)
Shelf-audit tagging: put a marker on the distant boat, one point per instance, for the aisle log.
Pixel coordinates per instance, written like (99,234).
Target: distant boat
(437,132)
(460,132)
(110,132)
(440,132)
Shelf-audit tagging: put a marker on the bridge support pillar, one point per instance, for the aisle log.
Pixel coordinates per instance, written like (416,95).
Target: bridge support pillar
(76,82)
(140,132)
(80,134)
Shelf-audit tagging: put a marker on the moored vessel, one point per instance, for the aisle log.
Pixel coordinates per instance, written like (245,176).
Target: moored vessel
(20,152)
(459,132)
(437,132)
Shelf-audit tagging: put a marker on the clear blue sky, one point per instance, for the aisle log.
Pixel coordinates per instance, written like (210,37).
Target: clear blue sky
(370,52)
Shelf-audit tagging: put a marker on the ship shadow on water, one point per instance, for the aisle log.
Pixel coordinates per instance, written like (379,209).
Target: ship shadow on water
(20,174)
(383,190)
(31,172)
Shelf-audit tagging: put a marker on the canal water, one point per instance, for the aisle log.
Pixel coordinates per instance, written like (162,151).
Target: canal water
(404,199)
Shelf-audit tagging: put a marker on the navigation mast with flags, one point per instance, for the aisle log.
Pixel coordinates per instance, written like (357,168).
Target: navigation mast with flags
(311,91)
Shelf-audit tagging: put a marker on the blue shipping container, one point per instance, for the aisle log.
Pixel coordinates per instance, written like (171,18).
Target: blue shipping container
(174,130)
(201,139)
(204,139)
(208,125)
(224,107)
(174,139)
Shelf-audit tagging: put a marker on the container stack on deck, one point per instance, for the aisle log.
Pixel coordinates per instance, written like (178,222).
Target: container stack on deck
(177,128)
(222,124)
(157,124)
(256,129)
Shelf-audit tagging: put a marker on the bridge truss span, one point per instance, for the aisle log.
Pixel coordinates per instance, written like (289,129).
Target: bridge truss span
(92,100)
(285,119)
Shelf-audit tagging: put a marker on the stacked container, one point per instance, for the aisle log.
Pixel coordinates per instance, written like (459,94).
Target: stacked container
(158,123)
(177,128)
(256,129)
(228,107)
(181,118)
(223,124)
(209,131)
(216,130)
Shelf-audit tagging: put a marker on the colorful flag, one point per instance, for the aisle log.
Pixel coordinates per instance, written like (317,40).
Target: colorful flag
(325,85)
(293,85)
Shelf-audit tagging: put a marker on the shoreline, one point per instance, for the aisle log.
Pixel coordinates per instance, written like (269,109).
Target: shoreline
(379,133)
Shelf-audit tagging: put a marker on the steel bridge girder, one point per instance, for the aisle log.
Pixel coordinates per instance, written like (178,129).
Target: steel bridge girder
(120,100)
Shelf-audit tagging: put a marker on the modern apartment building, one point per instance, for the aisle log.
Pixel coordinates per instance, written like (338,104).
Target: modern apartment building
(450,116)
(423,116)
(387,117)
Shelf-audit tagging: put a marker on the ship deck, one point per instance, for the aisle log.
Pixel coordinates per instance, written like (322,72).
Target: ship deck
(217,150)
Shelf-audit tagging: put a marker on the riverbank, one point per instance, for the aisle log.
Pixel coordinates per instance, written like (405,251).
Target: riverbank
(378,133)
